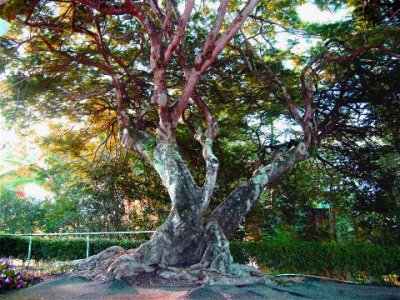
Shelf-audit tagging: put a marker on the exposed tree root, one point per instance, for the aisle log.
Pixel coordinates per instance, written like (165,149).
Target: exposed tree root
(116,263)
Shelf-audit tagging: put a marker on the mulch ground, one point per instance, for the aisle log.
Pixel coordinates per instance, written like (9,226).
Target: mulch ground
(294,288)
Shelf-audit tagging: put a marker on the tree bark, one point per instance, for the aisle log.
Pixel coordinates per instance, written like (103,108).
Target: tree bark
(181,241)
(230,213)
(185,240)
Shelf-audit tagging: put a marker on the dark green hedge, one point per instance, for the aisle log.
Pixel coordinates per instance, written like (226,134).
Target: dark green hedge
(58,248)
(282,256)
(319,258)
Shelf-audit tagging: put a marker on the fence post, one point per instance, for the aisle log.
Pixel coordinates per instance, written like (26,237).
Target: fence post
(87,246)
(29,251)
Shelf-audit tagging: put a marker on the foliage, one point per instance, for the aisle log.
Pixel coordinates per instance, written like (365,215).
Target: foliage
(101,196)
(281,256)
(60,248)
(311,202)
(11,278)
(363,205)
(107,195)
(318,258)
(377,209)
(19,215)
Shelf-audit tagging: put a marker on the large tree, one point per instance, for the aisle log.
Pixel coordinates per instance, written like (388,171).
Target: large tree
(146,72)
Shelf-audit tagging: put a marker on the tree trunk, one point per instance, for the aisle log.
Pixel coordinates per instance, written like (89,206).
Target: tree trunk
(182,240)
(185,240)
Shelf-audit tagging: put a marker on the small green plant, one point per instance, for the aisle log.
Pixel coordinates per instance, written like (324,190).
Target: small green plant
(55,269)
(149,147)
(285,282)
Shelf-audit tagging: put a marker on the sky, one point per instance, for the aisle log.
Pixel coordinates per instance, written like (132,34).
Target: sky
(311,13)
(3,27)
(10,142)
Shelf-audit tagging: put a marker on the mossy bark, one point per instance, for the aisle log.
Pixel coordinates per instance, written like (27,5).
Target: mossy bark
(186,240)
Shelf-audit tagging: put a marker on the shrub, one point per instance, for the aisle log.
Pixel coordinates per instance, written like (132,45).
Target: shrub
(319,258)
(62,249)
(283,256)
(11,279)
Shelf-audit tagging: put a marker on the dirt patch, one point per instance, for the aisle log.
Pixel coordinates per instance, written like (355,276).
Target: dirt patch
(80,288)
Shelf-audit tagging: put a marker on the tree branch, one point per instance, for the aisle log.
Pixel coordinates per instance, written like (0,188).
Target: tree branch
(286,96)
(179,31)
(212,37)
(202,63)
(230,213)
(221,42)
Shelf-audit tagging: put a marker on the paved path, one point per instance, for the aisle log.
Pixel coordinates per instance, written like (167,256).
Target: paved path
(79,288)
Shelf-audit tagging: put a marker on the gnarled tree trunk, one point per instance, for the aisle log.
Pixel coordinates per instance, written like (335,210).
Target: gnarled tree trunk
(186,240)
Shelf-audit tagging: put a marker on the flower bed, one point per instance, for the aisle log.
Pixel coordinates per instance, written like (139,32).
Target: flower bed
(11,278)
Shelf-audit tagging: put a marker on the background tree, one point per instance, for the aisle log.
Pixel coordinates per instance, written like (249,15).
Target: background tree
(19,212)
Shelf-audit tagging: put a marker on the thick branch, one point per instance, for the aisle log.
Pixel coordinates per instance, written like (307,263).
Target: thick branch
(212,165)
(138,141)
(176,40)
(233,29)
(129,7)
(202,64)
(230,213)
(156,9)
(176,177)
(212,37)
(206,140)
